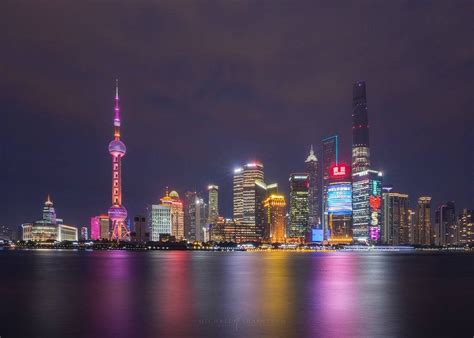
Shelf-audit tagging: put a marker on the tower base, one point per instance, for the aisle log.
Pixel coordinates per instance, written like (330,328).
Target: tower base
(120,232)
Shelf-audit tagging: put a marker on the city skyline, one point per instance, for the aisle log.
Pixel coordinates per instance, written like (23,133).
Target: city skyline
(412,98)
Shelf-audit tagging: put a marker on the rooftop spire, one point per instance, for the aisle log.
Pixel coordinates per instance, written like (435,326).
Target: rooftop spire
(48,201)
(117,108)
(311,156)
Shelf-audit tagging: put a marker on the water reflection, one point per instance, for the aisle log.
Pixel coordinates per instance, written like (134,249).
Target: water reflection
(278,296)
(198,294)
(334,296)
(110,293)
(172,294)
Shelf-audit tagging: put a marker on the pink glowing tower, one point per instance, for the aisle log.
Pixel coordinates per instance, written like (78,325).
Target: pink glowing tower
(117,212)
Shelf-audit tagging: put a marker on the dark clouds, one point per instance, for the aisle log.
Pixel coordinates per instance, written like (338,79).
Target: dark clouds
(206,85)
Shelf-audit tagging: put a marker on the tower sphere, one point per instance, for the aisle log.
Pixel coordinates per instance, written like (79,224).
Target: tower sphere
(117,213)
(117,148)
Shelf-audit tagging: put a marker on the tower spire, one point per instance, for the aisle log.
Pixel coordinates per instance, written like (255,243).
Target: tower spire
(117,107)
(311,156)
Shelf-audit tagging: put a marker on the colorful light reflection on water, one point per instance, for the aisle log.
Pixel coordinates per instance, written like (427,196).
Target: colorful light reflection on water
(197,294)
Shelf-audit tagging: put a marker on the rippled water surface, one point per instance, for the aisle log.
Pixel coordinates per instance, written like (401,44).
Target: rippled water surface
(235,294)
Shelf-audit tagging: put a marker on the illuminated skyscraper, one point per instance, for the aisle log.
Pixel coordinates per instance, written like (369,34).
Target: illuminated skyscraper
(466,227)
(314,193)
(330,158)
(366,205)
(446,231)
(395,226)
(340,204)
(411,226)
(159,221)
(245,199)
(275,210)
(213,191)
(299,189)
(195,216)
(423,232)
(360,129)
(117,212)
(177,214)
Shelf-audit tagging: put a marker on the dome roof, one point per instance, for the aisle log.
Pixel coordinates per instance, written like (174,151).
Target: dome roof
(117,147)
(174,194)
(117,213)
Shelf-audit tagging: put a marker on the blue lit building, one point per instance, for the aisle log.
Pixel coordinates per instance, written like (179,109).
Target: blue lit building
(339,204)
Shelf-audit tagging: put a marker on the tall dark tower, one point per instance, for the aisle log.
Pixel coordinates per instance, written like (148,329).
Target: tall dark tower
(360,129)
(312,168)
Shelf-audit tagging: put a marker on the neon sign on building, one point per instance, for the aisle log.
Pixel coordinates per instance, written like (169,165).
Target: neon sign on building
(375,203)
(339,171)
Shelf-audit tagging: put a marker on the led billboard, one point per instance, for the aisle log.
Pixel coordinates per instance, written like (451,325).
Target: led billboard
(340,199)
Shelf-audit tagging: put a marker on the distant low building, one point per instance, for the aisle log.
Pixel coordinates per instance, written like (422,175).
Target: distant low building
(49,228)
(84,234)
(225,230)
(100,227)
(140,231)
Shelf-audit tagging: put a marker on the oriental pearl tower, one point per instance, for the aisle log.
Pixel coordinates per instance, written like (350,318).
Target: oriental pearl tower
(117,212)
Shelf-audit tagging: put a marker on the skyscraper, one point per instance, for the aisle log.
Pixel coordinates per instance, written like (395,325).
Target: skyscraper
(275,209)
(423,230)
(117,212)
(159,221)
(330,158)
(245,199)
(366,205)
(339,202)
(299,189)
(213,195)
(466,227)
(412,228)
(314,193)
(177,214)
(195,216)
(446,230)
(395,226)
(360,129)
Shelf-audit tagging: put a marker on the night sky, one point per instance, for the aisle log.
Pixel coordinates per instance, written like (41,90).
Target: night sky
(206,86)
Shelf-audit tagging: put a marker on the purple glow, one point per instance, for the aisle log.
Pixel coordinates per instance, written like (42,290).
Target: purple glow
(117,148)
(117,213)
(95,228)
(374,233)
